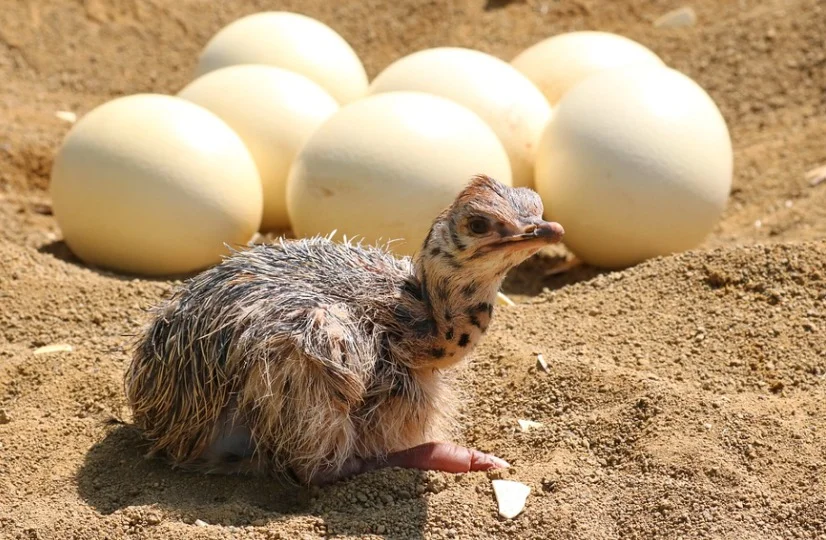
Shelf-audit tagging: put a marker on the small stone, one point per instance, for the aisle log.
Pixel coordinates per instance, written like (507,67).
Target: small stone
(541,363)
(200,523)
(4,417)
(678,18)
(511,497)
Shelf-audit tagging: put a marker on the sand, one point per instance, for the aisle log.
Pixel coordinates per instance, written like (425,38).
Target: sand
(684,397)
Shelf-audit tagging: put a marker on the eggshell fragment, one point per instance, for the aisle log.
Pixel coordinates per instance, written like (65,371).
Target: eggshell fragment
(528,425)
(383,168)
(56,348)
(511,497)
(291,41)
(503,300)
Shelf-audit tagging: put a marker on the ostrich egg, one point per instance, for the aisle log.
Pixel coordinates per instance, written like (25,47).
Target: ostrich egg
(556,64)
(291,41)
(154,185)
(510,103)
(383,168)
(274,111)
(636,163)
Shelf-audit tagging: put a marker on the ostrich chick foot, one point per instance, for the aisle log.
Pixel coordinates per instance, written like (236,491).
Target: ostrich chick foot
(432,456)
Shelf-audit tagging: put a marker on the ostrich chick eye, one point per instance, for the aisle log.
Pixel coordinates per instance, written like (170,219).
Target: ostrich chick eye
(479,225)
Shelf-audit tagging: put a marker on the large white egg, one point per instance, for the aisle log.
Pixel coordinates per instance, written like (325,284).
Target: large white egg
(274,111)
(635,163)
(290,41)
(557,63)
(154,185)
(503,97)
(382,168)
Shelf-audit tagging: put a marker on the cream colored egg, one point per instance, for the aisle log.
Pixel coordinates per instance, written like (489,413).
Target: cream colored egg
(274,111)
(291,41)
(382,168)
(558,63)
(503,97)
(639,171)
(154,185)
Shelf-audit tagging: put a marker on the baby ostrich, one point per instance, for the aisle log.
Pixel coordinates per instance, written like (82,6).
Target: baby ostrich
(325,359)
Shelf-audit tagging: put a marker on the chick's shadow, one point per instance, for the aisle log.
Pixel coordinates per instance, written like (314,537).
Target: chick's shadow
(116,475)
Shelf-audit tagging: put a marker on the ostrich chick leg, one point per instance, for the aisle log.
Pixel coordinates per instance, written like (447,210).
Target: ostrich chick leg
(432,456)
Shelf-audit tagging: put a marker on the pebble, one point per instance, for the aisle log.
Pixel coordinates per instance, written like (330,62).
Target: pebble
(200,523)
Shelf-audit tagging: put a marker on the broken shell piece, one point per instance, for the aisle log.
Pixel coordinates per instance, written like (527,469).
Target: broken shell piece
(678,18)
(527,425)
(816,176)
(541,363)
(67,116)
(503,300)
(511,497)
(57,347)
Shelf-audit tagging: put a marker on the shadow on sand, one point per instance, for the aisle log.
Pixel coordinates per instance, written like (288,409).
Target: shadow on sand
(546,271)
(59,250)
(115,475)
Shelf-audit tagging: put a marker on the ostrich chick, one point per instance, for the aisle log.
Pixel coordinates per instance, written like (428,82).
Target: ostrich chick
(323,359)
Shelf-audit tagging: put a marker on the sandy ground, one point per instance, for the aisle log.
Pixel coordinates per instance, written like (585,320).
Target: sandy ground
(685,396)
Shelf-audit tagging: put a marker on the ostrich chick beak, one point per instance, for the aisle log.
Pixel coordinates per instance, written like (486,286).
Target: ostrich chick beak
(533,235)
(550,231)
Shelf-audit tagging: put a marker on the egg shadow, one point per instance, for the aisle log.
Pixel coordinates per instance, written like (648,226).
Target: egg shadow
(59,250)
(115,475)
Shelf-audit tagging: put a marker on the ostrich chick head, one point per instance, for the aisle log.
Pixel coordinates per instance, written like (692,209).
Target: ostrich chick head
(489,229)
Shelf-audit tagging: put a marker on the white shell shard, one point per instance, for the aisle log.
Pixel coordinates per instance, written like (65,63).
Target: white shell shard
(66,116)
(528,425)
(511,497)
(56,348)
(541,363)
(503,300)
(678,18)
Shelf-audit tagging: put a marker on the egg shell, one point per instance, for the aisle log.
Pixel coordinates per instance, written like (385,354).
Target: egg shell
(510,103)
(382,168)
(641,171)
(559,62)
(154,185)
(274,111)
(291,41)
